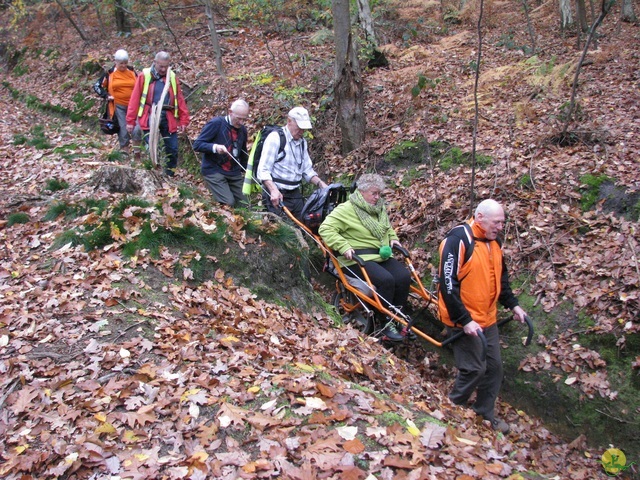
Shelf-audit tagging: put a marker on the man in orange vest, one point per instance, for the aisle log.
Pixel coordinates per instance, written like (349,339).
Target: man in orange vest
(174,116)
(473,279)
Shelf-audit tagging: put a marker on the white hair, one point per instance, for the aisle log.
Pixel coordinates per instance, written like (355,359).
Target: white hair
(163,56)
(121,56)
(488,207)
(239,104)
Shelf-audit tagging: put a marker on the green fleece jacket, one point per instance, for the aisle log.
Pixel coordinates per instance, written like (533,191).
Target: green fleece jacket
(342,230)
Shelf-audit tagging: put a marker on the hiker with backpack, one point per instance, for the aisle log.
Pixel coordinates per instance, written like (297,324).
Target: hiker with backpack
(116,86)
(473,280)
(284,162)
(360,226)
(223,144)
(174,116)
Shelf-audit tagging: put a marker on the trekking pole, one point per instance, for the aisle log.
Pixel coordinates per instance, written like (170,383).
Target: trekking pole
(402,318)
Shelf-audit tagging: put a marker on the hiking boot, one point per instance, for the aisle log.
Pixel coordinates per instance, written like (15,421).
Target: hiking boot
(500,426)
(390,332)
(409,334)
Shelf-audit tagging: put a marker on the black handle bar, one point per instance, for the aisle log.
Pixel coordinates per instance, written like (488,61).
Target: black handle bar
(461,333)
(527,342)
(402,250)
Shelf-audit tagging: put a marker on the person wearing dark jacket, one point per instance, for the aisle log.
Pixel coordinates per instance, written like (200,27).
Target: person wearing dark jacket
(115,86)
(470,289)
(223,144)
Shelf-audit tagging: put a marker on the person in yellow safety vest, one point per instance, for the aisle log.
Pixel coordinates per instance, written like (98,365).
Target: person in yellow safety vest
(174,118)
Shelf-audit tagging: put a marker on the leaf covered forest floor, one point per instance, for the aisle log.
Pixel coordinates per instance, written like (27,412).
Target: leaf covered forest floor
(118,365)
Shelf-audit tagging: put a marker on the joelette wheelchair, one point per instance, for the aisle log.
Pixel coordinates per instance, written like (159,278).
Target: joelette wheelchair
(356,299)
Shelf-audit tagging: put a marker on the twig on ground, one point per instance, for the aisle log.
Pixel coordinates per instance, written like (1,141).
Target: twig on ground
(129,328)
(635,258)
(12,386)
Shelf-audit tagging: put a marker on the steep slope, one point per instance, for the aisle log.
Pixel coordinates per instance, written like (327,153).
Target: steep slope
(137,370)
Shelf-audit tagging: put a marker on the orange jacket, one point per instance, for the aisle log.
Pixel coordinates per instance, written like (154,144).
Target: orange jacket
(117,84)
(471,289)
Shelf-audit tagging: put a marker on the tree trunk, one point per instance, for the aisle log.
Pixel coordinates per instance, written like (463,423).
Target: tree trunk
(476,109)
(606,6)
(366,21)
(532,34)
(581,11)
(566,17)
(78,28)
(628,15)
(208,8)
(133,181)
(348,87)
(377,58)
(122,21)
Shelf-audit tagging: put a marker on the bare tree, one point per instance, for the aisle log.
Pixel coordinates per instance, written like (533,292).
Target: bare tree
(75,24)
(581,11)
(628,15)
(348,88)
(208,8)
(366,21)
(122,21)
(476,116)
(532,34)
(566,17)
(378,58)
(606,6)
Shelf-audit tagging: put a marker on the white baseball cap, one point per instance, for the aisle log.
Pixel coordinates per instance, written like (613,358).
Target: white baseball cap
(301,117)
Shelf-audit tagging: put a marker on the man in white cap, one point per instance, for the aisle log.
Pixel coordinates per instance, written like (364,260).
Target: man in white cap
(282,173)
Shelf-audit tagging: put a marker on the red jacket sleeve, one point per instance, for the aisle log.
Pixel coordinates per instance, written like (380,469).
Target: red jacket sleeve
(183,111)
(134,102)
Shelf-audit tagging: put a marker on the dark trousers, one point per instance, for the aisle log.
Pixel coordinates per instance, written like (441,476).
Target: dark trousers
(292,199)
(170,141)
(225,189)
(477,374)
(391,279)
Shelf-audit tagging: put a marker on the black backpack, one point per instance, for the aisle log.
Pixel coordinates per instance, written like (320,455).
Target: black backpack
(251,183)
(321,203)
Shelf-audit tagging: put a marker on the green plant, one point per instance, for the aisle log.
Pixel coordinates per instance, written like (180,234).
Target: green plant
(115,156)
(410,176)
(390,418)
(507,41)
(38,138)
(54,185)
(75,210)
(83,105)
(20,69)
(18,217)
(422,83)
(189,160)
(19,139)
(34,102)
(290,96)
(590,189)
(407,151)
(525,181)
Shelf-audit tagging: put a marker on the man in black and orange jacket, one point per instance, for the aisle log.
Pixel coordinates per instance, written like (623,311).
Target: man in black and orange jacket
(473,279)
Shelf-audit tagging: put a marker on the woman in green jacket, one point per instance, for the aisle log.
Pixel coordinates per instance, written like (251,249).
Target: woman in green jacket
(361,226)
